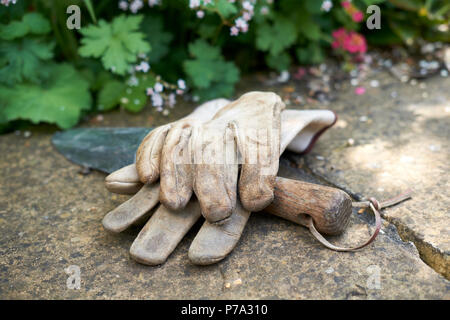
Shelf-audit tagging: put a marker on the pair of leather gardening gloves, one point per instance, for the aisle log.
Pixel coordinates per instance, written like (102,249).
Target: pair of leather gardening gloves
(226,153)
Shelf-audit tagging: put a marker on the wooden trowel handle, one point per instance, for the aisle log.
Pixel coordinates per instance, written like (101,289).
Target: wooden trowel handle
(295,200)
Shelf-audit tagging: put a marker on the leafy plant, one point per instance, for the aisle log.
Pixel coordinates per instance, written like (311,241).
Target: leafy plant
(59,99)
(137,53)
(208,71)
(23,58)
(276,37)
(118,43)
(31,86)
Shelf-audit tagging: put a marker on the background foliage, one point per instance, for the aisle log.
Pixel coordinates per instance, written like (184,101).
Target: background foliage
(136,53)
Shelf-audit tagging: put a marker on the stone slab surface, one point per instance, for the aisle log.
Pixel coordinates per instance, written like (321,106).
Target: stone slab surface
(400,143)
(50,219)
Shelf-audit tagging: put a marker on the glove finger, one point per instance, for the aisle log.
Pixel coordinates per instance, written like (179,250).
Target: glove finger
(133,209)
(215,173)
(176,176)
(162,233)
(214,242)
(260,151)
(124,180)
(148,155)
(258,171)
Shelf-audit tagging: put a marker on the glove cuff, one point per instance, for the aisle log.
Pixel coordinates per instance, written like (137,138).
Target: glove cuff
(300,129)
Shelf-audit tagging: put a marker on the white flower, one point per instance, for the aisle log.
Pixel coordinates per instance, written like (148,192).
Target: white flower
(181,84)
(172,100)
(149,91)
(136,5)
(241,23)
(153,3)
(159,87)
(246,16)
(326,5)
(247,6)
(123,5)
(157,100)
(206,2)
(133,81)
(7,2)
(234,31)
(200,14)
(264,10)
(143,66)
(194,4)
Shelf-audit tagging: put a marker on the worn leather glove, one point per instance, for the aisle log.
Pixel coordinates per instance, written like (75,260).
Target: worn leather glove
(131,179)
(166,227)
(159,154)
(246,131)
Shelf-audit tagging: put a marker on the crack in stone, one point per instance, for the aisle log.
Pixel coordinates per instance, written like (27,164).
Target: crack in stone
(430,255)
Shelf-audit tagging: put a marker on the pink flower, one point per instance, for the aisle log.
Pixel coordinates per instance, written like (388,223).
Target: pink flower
(234,31)
(358,16)
(200,14)
(350,41)
(346,4)
(247,16)
(360,90)
(352,11)
(339,36)
(301,72)
(355,42)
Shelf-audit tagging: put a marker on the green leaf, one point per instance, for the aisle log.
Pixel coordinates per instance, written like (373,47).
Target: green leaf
(207,30)
(153,27)
(117,43)
(59,100)
(23,60)
(37,23)
(33,23)
(224,7)
(307,26)
(208,71)
(13,30)
(280,62)
(110,95)
(204,51)
(216,90)
(311,54)
(313,6)
(277,37)
(134,98)
(344,19)
(101,79)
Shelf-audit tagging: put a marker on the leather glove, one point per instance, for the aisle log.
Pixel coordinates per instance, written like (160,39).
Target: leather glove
(166,227)
(157,154)
(248,127)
